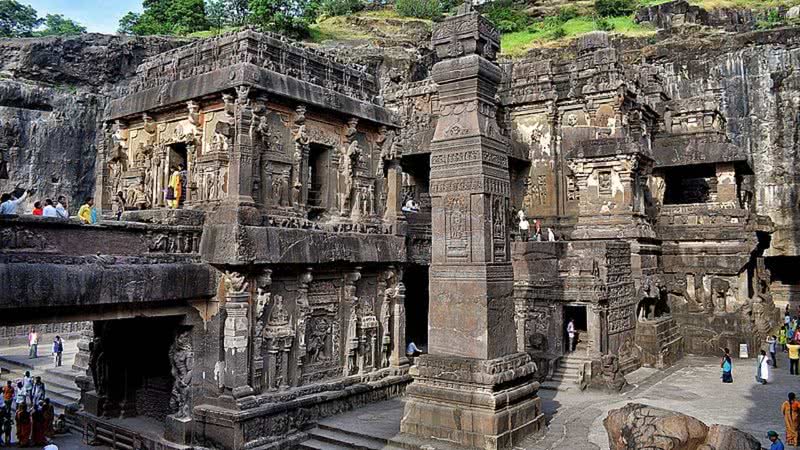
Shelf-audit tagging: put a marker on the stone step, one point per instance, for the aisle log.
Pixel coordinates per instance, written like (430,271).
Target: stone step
(345,438)
(356,434)
(313,444)
(551,385)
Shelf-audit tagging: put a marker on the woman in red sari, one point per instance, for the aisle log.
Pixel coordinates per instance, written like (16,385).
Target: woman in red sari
(39,427)
(23,425)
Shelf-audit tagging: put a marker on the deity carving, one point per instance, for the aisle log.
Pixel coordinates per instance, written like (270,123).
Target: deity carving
(98,366)
(181,358)
(235,283)
(302,141)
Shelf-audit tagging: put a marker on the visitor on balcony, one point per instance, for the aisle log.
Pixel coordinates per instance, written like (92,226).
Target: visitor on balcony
(174,189)
(118,205)
(87,213)
(49,210)
(9,203)
(37,208)
(61,207)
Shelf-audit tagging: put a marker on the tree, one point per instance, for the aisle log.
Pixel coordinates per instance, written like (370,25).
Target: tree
(216,13)
(291,17)
(58,25)
(17,20)
(166,17)
(238,11)
(615,8)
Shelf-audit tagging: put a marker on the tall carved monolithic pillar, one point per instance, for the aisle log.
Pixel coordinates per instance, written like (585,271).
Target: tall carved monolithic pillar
(473,388)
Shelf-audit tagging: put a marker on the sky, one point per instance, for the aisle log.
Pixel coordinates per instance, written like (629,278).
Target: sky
(98,16)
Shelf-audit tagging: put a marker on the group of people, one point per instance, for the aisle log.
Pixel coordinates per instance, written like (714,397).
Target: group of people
(33,347)
(35,424)
(524,227)
(9,205)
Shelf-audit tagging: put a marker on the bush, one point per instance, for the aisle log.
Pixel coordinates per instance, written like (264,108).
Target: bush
(340,7)
(559,33)
(773,19)
(421,9)
(568,13)
(603,24)
(507,17)
(615,8)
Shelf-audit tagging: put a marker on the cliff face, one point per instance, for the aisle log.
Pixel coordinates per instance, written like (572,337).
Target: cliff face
(52,96)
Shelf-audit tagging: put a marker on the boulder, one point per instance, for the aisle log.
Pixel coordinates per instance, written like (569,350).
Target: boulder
(637,426)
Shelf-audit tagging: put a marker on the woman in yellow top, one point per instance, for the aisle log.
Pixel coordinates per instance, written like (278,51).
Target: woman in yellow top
(87,213)
(174,189)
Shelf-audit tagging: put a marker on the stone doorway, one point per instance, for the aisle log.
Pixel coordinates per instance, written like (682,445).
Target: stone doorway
(577,313)
(319,157)
(416,282)
(177,157)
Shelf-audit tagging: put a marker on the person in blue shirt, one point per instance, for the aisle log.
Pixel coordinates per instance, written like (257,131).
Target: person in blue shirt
(776,441)
(412,349)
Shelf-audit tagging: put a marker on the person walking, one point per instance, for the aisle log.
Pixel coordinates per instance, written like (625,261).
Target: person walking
(58,349)
(571,335)
(27,385)
(118,205)
(88,213)
(794,357)
(8,395)
(727,366)
(33,344)
(762,371)
(39,392)
(776,441)
(790,409)
(9,203)
(61,207)
(19,396)
(772,343)
(23,425)
(782,338)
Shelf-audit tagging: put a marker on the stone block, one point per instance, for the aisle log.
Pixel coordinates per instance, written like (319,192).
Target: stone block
(178,430)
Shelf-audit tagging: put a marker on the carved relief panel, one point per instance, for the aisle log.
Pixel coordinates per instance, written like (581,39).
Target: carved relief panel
(456,226)
(323,332)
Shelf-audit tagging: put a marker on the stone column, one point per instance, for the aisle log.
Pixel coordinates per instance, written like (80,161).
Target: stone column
(101,188)
(302,309)
(398,358)
(236,336)
(240,170)
(474,389)
(726,184)
(394,181)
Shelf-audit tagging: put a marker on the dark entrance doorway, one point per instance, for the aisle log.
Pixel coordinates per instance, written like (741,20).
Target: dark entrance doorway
(415,279)
(319,179)
(577,313)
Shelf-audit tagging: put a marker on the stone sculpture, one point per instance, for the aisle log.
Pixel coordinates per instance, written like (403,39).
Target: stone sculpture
(181,358)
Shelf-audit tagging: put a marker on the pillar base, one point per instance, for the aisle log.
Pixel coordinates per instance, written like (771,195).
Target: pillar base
(474,403)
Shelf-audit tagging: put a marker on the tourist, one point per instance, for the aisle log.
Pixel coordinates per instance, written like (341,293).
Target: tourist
(8,395)
(794,357)
(38,425)
(27,385)
(782,338)
(49,418)
(23,425)
(174,189)
(61,207)
(789,334)
(762,371)
(412,350)
(37,208)
(58,349)
(49,209)
(33,344)
(791,412)
(9,203)
(87,213)
(772,342)
(38,391)
(20,395)
(727,366)
(537,230)
(410,206)
(6,423)
(550,235)
(776,441)
(571,334)
(118,205)
(524,226)
(60,426)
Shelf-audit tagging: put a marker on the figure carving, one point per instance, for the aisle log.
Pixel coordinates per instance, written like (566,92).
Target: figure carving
(181,357)
(98,366)
(235,283)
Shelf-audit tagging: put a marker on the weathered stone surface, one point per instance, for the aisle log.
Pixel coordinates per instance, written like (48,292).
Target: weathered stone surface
(637,426)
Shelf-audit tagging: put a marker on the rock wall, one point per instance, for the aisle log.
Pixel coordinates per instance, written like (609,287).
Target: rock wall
(52,95)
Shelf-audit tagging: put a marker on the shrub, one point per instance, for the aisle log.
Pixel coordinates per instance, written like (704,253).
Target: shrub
(340,7)
(567,13)
(421,9)
(507,17)
(615,8)
(604,24)
(773,19)
(559,33)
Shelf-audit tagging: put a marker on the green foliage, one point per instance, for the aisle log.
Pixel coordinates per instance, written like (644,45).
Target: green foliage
(421,9)
(567,13)
(604,24)
(332,8)
(17,20)
(615,8)
(559,33)
(290,17)
(58,25)
(166,17)
(216,14)
(506,16)
(773,19)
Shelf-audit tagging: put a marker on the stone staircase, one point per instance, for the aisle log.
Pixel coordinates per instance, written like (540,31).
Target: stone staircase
(567,373)
(59,382)
(325,437)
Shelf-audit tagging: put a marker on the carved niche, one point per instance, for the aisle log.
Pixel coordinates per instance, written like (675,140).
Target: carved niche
(456,226)
(323,333)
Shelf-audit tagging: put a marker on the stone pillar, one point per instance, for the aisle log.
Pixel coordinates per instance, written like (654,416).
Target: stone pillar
(240,171)
(236,336)
(302,309)
(397,358)
(474,389)
(726,184)
(101,189)
(394,192)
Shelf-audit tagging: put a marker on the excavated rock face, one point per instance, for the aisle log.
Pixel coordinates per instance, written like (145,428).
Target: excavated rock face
(637,426)
(52,95)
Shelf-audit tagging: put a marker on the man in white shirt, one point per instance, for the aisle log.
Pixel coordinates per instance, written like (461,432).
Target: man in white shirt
(33,342)
(524,226)
(61,207)
(8,203)
(571,333)
(49,209)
